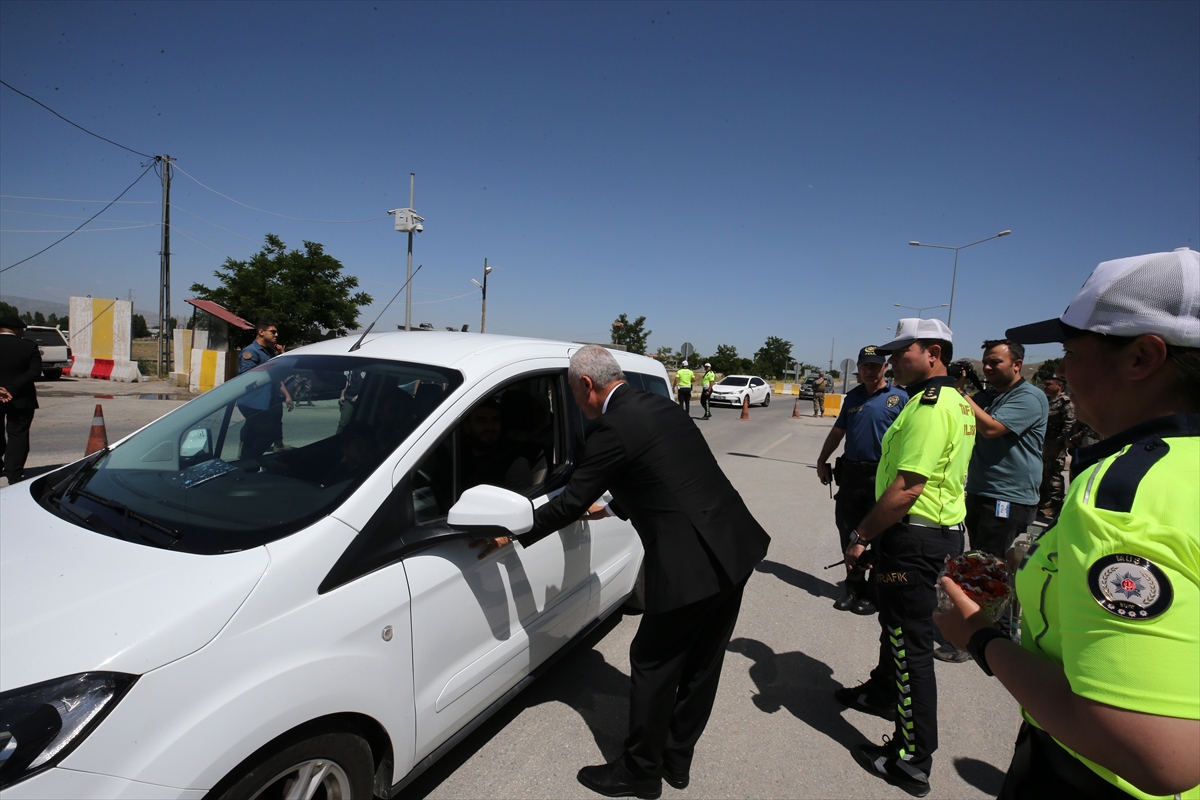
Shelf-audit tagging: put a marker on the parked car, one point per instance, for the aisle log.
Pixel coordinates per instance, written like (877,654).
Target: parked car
(52,344)
(733,389)
(806,390)
(186,614)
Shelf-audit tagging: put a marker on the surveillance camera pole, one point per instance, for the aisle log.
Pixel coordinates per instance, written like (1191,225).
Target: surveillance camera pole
(412,181)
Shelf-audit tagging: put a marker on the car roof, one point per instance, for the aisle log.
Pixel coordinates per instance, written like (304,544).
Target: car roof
(471,353)
(745,376)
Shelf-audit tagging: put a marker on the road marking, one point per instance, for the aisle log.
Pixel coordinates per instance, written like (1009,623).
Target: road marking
(778,442)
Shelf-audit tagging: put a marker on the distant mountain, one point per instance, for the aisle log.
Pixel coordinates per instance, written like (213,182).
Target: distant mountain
(62,310)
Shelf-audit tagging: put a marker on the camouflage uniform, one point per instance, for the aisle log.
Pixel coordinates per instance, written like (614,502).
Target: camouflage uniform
(1059,426)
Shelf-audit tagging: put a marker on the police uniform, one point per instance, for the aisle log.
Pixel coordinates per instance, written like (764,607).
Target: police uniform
(1112,593)
(1054,454)
(933,437)
(262,408)
(865,418)
(685,377)
(706,384)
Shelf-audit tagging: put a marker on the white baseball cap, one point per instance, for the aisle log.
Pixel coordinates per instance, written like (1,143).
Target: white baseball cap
(685,362)
(909,329)
(1156,293)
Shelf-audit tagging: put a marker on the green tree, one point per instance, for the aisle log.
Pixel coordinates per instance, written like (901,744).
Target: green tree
(52,320)
(305,292)
(1046,370)
(7,310)
(27,318)
(726,361)
(773,357)
(140,329)
(631,334)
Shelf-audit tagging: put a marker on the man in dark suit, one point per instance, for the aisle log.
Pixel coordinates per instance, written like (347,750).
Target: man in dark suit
(20,365)
(701,544)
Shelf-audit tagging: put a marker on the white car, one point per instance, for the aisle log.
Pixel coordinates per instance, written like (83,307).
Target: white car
(241,601)
(53,347)
(734,389)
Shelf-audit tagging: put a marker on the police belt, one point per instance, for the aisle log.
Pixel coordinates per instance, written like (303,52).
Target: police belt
(918,521)
(1036,754)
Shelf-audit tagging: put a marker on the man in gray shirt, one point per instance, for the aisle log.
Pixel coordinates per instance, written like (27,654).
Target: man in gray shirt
(1005,476)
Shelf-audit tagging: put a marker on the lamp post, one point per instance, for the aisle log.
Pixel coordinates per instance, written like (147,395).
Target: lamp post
(483,286)
(954,278)
(921,310)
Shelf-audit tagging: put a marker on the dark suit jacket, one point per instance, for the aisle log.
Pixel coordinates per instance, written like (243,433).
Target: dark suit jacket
(20,365)
(698,535)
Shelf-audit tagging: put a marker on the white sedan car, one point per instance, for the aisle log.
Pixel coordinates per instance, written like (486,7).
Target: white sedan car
(734,389)
(241,601)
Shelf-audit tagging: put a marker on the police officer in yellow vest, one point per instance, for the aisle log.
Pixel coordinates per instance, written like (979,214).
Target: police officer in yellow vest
(1108,669)
(706,389)
(916,523)
(683,385)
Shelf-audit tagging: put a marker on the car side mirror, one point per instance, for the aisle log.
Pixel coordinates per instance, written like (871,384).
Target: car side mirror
(489,511)
(195,443)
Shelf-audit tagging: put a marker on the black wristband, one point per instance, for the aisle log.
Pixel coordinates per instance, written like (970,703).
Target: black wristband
(978,641)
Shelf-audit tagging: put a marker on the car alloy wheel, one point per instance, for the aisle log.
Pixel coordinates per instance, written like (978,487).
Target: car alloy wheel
(331,766)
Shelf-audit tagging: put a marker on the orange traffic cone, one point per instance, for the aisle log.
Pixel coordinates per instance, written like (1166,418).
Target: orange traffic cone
(745,408)
(796,409)
(98,438)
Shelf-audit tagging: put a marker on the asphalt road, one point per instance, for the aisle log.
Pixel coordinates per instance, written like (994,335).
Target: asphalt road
(776,730)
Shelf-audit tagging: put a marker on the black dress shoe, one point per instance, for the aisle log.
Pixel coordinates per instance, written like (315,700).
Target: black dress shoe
(676,778)
(846,602)
(614,780)
(863,607)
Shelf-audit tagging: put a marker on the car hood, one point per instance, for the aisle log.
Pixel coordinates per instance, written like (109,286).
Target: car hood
(72,600)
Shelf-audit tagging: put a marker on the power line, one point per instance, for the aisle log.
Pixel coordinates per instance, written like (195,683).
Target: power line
(90,230)
(272,213)
(67,200)
(98,213)
(64,119)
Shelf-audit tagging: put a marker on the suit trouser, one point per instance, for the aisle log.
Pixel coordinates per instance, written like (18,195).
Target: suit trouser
(262,428)
(675,665)
(855,497)
(14,444)
(906,569)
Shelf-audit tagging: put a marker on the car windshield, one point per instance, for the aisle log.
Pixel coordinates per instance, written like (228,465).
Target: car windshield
(733,380)
(45,337)
(255,459)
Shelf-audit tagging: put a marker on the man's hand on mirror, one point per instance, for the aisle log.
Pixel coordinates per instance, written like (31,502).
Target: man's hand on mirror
(490,545)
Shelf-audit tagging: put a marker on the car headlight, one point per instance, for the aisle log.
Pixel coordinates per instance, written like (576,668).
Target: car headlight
(40,724)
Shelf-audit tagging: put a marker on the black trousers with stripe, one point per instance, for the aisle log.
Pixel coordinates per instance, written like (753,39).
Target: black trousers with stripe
(907,565)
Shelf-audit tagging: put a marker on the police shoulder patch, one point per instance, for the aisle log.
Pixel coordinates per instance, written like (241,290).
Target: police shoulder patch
(893,401)
(1130,586)
(930,395)
(246,354)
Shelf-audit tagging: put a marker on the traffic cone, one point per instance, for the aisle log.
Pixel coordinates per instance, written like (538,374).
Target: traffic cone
(745,408)
(796,409)
(98,438)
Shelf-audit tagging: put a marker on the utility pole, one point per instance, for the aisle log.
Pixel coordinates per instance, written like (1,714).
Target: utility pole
(412,182)
(483,286)
(164,277)
(832,342)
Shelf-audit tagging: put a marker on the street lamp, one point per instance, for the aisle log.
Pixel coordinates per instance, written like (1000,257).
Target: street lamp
(483,286)
(954,278)
(921,310)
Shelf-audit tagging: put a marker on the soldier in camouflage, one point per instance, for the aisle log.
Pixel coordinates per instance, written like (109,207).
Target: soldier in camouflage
(1059,426)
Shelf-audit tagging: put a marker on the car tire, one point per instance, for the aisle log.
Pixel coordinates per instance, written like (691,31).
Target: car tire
(767,400)
(341,762)
(52,374)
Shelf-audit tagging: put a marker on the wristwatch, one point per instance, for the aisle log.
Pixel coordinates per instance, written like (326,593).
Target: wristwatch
(978,642)
(855,539)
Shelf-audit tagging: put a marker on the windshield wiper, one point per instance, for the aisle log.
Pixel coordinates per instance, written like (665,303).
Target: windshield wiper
(129,513)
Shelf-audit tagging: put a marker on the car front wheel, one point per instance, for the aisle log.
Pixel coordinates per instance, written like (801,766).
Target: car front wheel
(333,766)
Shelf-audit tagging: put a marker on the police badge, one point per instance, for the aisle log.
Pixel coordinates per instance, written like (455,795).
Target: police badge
(893,401)
(1130,586)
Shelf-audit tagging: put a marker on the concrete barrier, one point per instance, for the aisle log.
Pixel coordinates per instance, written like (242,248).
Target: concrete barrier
(101,338)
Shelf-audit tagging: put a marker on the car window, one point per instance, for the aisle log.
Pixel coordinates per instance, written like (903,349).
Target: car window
(45,338)
(734,381)
(649,383)
(236,467)
(756,382)
(513,438)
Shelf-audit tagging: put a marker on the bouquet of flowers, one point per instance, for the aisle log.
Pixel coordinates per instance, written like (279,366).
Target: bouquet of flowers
(983,578)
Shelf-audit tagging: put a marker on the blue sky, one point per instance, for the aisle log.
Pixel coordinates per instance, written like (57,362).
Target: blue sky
(731,171)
